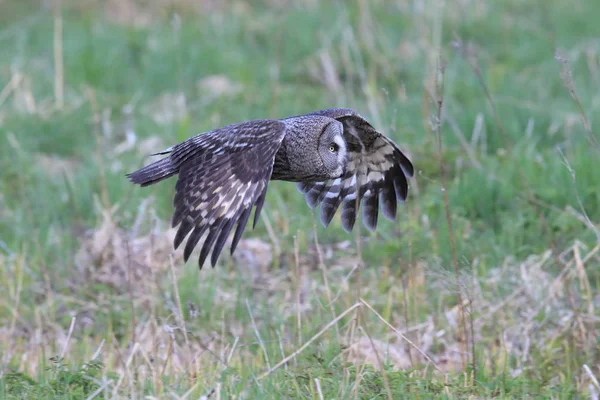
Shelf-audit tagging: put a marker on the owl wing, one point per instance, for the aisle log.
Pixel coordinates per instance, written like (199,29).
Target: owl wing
(222,175)
(376,175)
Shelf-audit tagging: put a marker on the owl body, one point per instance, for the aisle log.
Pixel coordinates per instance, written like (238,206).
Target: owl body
(335,156)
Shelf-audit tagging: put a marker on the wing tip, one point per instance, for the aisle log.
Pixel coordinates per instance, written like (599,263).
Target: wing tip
(347,228)
(370,223)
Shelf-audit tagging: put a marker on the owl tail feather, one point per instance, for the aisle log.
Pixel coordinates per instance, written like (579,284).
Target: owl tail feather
(153,173)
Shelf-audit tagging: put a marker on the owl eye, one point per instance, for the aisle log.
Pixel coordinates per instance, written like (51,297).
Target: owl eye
(333,147)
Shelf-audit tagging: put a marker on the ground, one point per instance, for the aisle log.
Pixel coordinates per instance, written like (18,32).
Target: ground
(485,285)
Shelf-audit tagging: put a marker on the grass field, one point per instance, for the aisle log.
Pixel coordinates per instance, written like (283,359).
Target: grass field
(94,303)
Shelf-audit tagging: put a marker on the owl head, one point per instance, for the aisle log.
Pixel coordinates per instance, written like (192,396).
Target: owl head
(314,148)
(331,148)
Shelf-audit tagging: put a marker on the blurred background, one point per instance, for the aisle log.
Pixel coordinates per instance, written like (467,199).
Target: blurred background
(496,103)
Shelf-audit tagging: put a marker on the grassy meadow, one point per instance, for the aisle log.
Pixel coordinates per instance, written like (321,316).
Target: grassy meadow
(485,286)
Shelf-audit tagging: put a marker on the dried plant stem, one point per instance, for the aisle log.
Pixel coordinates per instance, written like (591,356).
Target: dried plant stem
(590,374)
(437,129)
(10,87)
(99,149)
(68,340)
(58,56)
(319,391)
(406,310)
(567,78)
(405,278)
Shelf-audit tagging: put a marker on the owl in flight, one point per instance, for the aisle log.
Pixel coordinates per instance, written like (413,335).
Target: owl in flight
(336,157)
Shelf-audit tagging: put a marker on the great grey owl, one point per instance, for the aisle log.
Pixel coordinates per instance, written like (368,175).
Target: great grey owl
(335,156)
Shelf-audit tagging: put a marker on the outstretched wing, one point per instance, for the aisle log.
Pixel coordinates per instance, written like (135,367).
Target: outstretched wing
(376,175)
(222,175)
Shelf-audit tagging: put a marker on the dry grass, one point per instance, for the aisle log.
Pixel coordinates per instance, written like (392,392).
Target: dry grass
(519,311)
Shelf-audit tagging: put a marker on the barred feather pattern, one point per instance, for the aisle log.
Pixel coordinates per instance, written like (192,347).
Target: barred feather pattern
(375,176)
(222,175)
